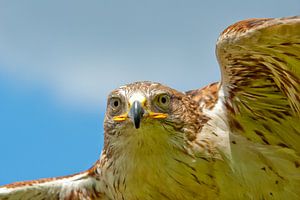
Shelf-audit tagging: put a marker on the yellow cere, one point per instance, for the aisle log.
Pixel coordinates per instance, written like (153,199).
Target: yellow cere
(158,115)
(120,118)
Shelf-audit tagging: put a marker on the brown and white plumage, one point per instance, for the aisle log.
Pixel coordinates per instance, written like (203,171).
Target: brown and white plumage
(237,139)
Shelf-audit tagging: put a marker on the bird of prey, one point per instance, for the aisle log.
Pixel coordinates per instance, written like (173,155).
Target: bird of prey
(232,140)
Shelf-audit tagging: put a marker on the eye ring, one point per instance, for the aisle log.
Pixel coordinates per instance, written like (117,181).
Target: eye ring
(162,101)
(115,103)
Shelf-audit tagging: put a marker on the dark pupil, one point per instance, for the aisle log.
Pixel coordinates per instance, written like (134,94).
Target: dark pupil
(163,100)
(116,103)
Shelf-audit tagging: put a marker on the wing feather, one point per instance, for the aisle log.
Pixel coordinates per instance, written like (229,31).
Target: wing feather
(206,97)
(260,66)
(82,186)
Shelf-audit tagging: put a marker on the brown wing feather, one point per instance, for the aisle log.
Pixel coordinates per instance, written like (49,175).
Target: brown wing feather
(206,97)
(260,64)
(38,181)
(84,185)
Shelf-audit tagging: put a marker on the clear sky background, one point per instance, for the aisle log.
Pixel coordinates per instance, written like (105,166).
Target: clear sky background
(59,60)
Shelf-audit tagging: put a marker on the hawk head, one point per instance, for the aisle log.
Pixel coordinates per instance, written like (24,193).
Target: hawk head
(148,114)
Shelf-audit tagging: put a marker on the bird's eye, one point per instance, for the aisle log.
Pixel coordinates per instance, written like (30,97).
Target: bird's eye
(115,103)
(162,101)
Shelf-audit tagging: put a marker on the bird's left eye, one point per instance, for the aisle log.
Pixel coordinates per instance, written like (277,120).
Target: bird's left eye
(162,101)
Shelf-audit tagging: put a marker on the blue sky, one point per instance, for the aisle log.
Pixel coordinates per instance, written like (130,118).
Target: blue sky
(59,60)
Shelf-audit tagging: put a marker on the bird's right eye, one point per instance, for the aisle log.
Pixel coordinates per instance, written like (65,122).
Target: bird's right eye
(115,102)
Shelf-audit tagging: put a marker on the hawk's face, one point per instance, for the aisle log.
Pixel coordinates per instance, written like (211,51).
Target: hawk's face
(146,111)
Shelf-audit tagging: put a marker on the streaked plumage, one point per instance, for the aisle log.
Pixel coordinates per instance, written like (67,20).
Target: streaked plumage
(237,139)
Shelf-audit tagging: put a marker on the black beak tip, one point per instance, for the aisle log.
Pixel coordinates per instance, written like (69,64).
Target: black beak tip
(136,113)
(137,125)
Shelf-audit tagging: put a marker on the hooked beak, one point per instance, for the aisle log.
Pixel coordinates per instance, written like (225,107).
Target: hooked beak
(136,113)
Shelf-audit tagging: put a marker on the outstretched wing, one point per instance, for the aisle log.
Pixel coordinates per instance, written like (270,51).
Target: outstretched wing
(260,87)
(82,186)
